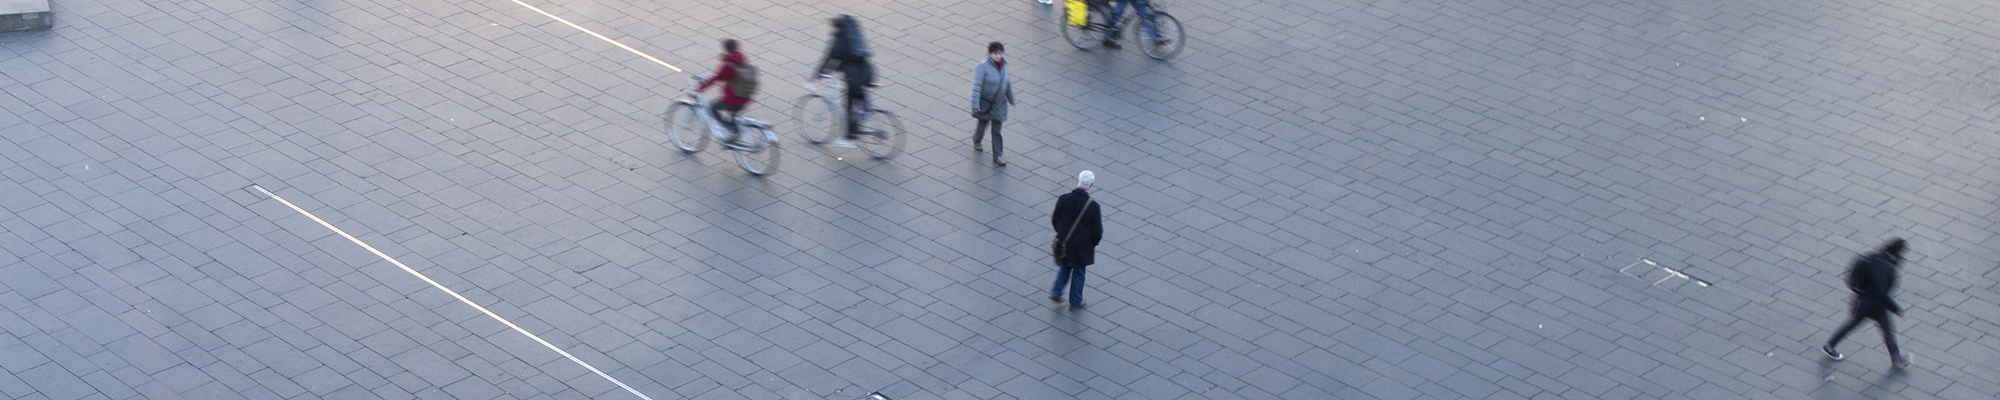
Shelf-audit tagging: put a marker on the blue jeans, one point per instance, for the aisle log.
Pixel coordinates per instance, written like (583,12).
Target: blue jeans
(1145,13)
(1072,277)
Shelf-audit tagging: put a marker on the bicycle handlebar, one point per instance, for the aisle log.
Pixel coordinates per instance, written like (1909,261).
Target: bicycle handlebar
(831,82)
(823,79)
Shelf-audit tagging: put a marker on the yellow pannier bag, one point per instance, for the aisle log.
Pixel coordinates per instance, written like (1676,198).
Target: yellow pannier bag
(1079,13)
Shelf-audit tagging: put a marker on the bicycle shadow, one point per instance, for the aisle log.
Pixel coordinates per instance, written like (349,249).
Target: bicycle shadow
(860,198)
(723,227)
(1118,92)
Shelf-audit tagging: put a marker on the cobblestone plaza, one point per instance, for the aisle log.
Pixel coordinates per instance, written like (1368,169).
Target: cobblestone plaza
(1317,199)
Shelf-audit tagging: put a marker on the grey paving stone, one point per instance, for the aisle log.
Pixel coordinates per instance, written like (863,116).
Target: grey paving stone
(1465,126)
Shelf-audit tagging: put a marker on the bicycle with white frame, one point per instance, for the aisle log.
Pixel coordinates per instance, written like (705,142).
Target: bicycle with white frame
(877,132)
(755,153)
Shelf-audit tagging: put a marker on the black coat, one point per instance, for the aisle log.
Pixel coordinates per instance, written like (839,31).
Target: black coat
(1081,249)
(1871,278)
(848,53)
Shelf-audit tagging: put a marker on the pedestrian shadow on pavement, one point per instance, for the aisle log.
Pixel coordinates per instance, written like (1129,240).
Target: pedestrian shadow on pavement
(1884,386)
(1892,382)
(1072,323)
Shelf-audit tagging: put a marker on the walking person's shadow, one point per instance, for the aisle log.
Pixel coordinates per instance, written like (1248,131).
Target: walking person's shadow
(1072,346)
(1891,382)
(1826,389)
(1881,387)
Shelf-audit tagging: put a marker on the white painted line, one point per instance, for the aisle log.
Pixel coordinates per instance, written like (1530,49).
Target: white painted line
(455,294)
(587,30)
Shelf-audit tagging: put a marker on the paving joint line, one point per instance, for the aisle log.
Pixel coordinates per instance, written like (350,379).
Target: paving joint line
(454,294)
(594,33)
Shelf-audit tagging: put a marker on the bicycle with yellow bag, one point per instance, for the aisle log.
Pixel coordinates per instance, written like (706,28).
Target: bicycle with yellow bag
(1086,24)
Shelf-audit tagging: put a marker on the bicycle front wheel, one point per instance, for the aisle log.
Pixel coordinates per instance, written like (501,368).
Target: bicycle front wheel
(815,117)
(881,135)
(685,128)
(1169,40)
(762,157)
(1087,36)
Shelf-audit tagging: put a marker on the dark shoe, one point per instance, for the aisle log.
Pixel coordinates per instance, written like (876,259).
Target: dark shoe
(1056,299)
(1077,306)
(1899,362)
(1112,45)
(1831,353)
(977,147)
(999,162)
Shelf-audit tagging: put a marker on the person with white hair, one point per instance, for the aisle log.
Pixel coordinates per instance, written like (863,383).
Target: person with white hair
(1079,225)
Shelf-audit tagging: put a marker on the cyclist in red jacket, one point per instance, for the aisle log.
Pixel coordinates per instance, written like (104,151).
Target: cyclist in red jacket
(732,58)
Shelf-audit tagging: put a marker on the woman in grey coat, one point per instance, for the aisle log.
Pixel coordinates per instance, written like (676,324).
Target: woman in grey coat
(989,86)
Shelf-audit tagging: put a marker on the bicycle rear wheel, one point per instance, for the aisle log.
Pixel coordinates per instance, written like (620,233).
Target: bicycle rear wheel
(762,158)
(815,117)
(1170,40)
(1087,36)
(881,135)
(685,128)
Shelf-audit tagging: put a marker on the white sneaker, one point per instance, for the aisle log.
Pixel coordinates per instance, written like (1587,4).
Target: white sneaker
(1048,1)
(842,143)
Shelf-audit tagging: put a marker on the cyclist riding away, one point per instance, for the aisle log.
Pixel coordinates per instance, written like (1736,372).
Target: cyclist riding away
(1145,13)
(849,54)
(739,83)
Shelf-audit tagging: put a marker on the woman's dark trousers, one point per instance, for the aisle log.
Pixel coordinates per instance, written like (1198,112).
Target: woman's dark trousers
(979,132)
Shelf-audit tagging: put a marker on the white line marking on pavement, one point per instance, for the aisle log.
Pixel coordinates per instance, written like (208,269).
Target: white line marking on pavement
(455,294)
(587,30)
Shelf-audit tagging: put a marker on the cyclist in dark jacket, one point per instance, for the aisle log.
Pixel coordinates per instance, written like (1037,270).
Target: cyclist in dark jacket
(849,54)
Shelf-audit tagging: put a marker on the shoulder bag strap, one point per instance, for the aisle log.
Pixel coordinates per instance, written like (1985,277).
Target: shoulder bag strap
(1079,221)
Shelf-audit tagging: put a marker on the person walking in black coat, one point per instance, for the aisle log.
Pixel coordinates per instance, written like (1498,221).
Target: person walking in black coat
(1872,277)
(1078,222)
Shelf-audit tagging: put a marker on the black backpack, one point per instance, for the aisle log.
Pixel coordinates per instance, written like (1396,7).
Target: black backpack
(1861,277)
